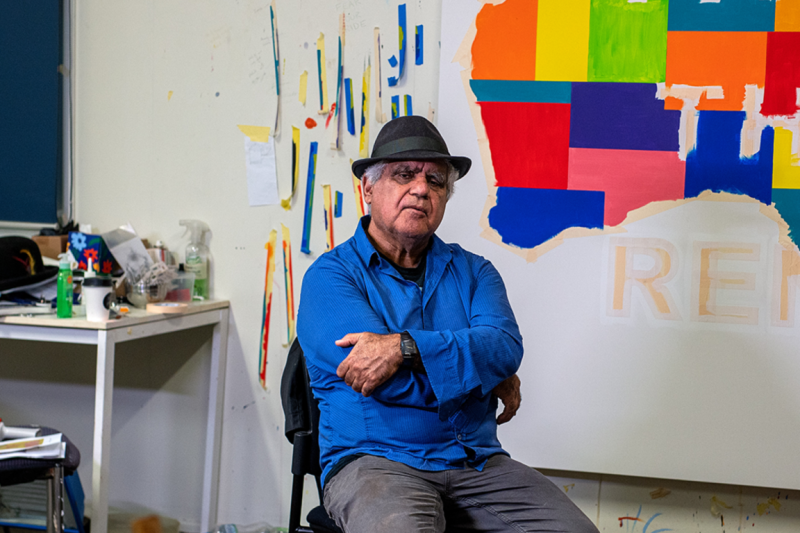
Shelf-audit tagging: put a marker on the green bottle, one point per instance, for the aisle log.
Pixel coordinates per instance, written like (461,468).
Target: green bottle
(64,288)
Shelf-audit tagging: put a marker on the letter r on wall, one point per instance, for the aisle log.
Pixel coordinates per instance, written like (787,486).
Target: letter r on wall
(623,275)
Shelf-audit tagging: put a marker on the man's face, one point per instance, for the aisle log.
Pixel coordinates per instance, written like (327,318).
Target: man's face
(409,199)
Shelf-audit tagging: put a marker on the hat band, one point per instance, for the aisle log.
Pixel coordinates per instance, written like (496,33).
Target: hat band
(407,144)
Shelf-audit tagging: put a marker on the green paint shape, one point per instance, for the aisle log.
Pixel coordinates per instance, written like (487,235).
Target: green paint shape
(628,41)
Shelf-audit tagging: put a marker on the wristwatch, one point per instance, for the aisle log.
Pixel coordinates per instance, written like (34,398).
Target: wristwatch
(409,349)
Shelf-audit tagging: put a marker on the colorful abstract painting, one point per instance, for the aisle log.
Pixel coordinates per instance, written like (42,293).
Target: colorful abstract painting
(593,109)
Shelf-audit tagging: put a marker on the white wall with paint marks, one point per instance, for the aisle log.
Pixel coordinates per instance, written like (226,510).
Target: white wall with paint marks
(149,158)
(160,88)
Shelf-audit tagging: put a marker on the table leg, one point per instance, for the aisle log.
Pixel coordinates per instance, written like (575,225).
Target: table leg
(104,386)
(216,397)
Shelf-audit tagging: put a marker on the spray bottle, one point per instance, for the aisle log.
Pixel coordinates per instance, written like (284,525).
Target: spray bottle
(197,257)
(64,287)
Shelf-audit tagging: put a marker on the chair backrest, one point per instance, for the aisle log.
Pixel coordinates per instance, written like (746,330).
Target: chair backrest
(300,409)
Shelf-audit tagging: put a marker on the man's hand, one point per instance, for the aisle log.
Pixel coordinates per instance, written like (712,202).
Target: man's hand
(373,359)
(508,392)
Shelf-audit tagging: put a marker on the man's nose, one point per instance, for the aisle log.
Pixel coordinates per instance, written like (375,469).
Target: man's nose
(420,185)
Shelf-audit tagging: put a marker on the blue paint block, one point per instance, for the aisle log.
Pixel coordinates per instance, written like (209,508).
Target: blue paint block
(408,105)
(351,119)
(543,92)
(402,29)
(621,116)
(337,209)
(787,202)
(715,164)
(393,61)
(530,217)
(727,15)
(418,44)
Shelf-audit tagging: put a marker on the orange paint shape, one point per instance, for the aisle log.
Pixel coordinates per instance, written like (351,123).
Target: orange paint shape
(505,44)
(787,15)
(724,59)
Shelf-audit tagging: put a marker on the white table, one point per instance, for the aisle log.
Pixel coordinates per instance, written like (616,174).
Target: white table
(105,335)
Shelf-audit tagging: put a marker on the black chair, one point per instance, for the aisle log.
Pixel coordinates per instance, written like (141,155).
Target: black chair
(23,470)
(301,412)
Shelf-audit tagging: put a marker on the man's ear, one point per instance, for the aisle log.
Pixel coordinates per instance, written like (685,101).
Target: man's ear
(366,188)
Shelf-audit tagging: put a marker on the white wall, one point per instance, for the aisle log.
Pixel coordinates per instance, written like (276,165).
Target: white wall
(151,160)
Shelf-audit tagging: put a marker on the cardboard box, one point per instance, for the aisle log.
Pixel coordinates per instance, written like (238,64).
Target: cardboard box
(51,245)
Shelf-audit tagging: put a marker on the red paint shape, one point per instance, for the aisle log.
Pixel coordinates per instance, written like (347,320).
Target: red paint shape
(783,74)
(311,123)
(330,114)
(630,178)
(529,143)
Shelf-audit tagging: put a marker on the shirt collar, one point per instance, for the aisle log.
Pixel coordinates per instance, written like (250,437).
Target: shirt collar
(368,253)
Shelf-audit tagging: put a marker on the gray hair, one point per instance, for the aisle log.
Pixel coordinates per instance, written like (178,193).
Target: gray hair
(374,172)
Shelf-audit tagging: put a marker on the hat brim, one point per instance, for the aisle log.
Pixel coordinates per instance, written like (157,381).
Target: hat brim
(462,164)
(27,282)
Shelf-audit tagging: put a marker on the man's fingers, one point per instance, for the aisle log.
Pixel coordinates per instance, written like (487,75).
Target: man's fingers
(348,340)
(341,371)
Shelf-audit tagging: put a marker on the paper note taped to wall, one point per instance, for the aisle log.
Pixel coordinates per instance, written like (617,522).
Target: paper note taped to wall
(262,176)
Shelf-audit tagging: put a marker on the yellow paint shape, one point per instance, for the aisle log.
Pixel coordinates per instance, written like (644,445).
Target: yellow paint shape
(363,144)
(718,506)
(562,40)
(764,507)
(303,87)
(570,486)
(257,134)
(785,164)
(787,15)
(660,492)
(169,96)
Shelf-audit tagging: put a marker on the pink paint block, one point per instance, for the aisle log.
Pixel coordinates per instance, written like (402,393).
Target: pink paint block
(630,178)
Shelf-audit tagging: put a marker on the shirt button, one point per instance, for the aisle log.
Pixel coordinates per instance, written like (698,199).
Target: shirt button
(459,436)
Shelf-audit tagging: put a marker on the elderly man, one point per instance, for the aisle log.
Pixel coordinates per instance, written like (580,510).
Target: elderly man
(409,343)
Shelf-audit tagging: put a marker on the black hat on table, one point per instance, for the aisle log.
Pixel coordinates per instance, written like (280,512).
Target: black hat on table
(410,138)
(21,265)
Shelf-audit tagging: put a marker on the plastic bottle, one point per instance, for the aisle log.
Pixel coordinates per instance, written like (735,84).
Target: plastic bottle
(197,257)
(64,287)
(17,433)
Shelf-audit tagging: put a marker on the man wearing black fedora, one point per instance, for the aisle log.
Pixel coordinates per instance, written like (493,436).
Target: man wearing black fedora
(409,343)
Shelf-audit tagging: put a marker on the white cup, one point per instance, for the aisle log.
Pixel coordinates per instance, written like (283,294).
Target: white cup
(98,295)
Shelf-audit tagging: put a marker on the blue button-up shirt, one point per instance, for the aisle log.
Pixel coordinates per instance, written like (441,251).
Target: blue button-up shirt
(467,337)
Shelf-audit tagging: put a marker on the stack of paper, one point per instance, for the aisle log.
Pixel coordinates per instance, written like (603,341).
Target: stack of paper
(49,447)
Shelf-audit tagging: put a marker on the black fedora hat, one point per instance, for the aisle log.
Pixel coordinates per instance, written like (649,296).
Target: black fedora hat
(410,138)
(21,265)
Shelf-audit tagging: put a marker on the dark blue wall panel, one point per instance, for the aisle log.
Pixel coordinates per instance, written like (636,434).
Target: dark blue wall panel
(30,110)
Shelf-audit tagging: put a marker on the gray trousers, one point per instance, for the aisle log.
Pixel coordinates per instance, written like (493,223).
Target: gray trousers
(374,495)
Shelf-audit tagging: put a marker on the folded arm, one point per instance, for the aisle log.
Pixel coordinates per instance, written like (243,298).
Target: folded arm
(343,335)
